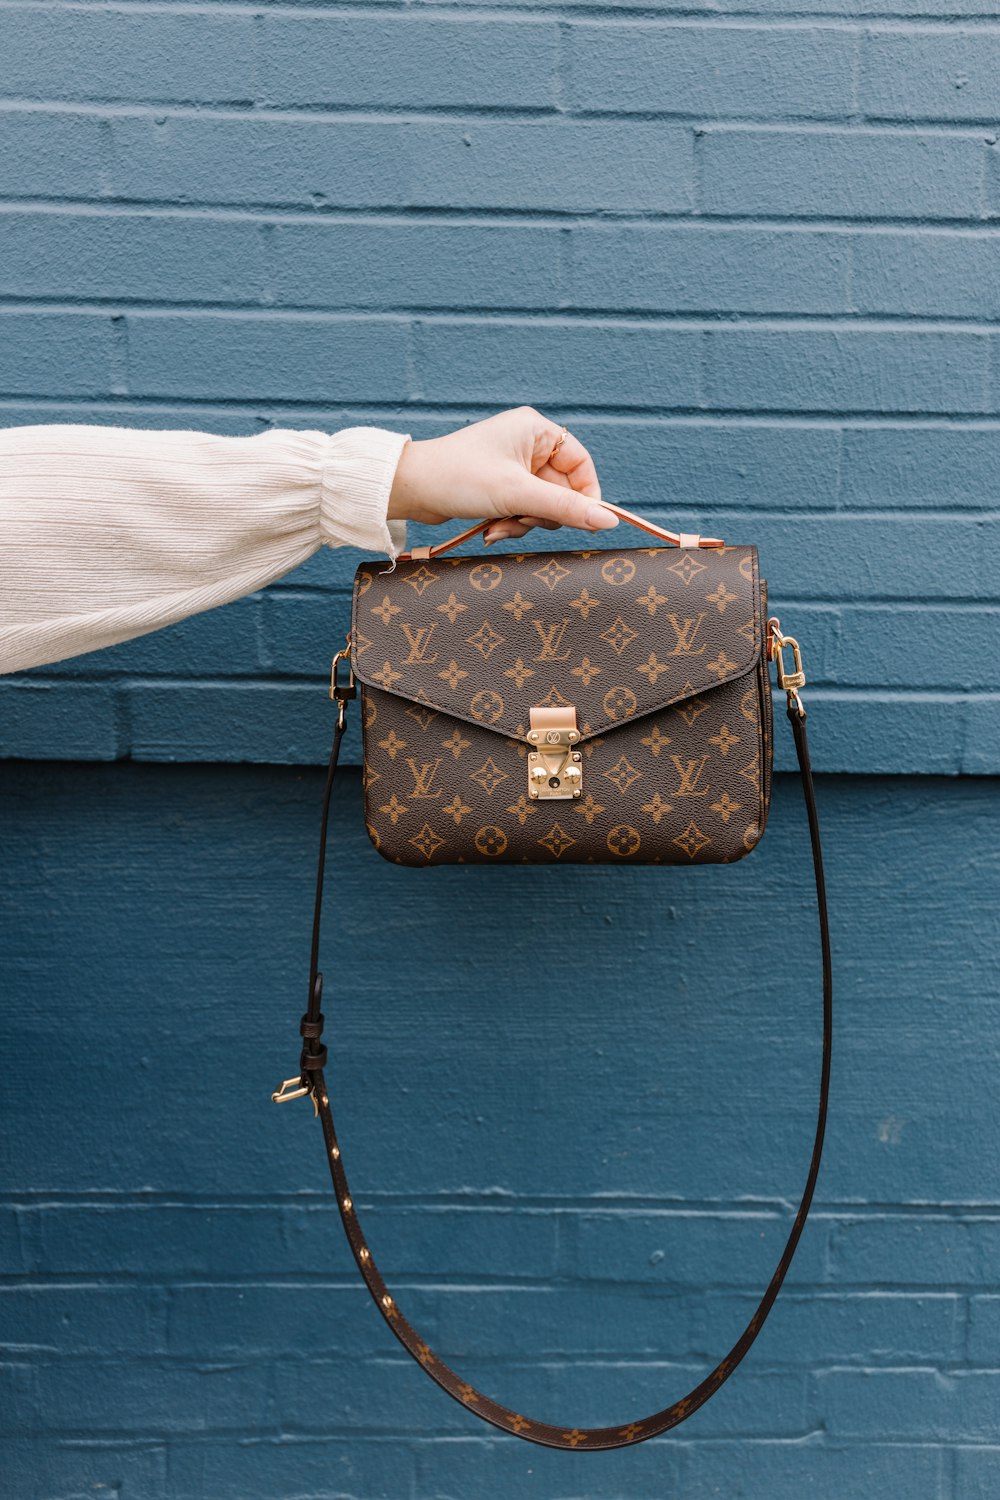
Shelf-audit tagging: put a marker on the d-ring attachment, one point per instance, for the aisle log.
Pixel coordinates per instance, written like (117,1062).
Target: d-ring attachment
(341,691)
(789,682)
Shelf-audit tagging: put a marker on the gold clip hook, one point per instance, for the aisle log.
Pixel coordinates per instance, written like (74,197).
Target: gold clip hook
(789,682)
(342,655)
(283,1093)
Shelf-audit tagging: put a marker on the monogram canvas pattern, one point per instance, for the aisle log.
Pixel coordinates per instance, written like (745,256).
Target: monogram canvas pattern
(659,650)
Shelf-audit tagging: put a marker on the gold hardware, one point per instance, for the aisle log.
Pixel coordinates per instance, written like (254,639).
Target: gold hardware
(347,1205)
(555,772)
(284,1093)
(344,653)
(789,682)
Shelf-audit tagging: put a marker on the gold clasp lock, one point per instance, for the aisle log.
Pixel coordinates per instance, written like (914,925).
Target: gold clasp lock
(555,769)
(285,1092)
(789,682)
(340,692)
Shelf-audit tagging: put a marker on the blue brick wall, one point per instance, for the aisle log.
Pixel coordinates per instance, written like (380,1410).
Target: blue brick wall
(181,1315)
(750,255)
(749,251)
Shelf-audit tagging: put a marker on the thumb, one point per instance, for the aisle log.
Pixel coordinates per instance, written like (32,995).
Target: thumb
(559,503)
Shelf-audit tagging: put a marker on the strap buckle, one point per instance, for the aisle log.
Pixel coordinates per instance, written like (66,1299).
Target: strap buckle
(789,682)
(285,1092)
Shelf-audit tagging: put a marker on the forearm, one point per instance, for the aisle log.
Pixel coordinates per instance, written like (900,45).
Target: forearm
(107,533)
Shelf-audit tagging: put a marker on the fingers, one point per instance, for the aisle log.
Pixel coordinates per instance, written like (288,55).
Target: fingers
(558,485)
(557,502)
(514,526)
(572,461)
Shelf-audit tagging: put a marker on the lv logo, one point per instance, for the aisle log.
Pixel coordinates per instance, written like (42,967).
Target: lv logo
(689,772)
(419,638)
(686,631)
(551,637)
(423,779)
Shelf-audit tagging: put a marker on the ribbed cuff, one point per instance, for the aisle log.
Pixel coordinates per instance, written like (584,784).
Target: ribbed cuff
(357,473)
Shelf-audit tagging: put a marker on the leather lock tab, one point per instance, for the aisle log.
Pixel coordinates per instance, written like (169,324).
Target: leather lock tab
(555,766)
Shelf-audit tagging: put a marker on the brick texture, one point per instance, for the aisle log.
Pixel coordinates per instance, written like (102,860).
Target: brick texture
(163,1257)
(749,256)
(749,252)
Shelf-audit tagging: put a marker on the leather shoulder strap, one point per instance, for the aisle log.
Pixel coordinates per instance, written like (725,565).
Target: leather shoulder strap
(313,1060)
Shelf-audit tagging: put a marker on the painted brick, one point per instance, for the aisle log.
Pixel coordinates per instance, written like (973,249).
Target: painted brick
(878,174)
(223,1322)
(977,1472)
(916,1404)
(886,1250)
(367,61)
(916,8)
(485,1322)
(912,466)
(416,265)
(62,53)
(263,721)
(128,256)
(13,1254)
(984,1330)
(146,1238)
(786,1471)
(939,73)
(64,354)
(918,645)
(40,719)
(58,155)
(849,370)
(134,414)
(74,1467)
(115,1397)
(846,557)
(462,1466)
(489,361)
(94,1319)
(288,358)
(476,1241)
(930,273)
(708,268)
(758,1405)
(982,734)
(747,72)
(254,1467)
(574,165)
(393,1397)
(833,1328)
(704,464)
(685,1248)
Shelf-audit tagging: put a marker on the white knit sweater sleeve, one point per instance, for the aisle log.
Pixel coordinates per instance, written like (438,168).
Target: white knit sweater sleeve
(110,532)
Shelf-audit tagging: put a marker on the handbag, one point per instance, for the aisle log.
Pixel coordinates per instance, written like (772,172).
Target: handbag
(602,706)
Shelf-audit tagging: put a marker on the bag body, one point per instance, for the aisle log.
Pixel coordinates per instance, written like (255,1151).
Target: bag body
(606,706)
(557,708)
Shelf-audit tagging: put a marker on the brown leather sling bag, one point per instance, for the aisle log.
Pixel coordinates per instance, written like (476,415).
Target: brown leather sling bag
(603,707)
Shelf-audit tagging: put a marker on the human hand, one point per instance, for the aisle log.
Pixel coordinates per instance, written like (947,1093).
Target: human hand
(503,466)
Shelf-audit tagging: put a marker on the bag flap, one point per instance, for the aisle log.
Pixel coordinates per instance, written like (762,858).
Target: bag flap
(618,634)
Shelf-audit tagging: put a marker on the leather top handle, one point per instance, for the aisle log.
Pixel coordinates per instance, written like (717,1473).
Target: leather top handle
(674,538)
(312,1081)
